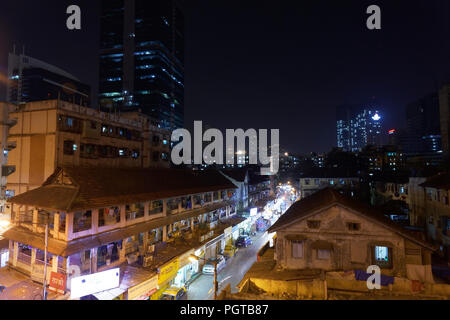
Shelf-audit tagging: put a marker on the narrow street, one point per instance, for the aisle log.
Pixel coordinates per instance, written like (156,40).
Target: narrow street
(203,287)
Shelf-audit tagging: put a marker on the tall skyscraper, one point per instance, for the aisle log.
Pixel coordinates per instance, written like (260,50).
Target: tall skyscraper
(30,79)
(422,132)
(444,110)
(142,59)
(357,127)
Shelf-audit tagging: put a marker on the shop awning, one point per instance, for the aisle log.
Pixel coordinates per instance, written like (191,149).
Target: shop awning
(322,245)
(109,294)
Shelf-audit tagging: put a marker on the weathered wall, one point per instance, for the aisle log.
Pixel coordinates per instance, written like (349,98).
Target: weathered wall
(351,249)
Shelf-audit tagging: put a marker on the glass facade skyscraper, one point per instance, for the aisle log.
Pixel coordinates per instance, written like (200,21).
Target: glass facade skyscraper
(30,79)
(142,59)
(358,127)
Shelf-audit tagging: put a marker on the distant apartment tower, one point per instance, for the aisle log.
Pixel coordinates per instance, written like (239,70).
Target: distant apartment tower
(444,109)
(142,59)
(422,133)
(30,79)
(358,127)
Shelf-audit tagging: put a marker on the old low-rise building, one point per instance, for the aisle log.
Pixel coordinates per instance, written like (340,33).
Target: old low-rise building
(54,133)
(321,249)
(260,189)
(313,184)
(101,218)
(433,205)
(330,232)
(240,178)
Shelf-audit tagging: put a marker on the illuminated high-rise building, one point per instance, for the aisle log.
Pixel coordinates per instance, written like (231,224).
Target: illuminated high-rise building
(358,127)
(142,59)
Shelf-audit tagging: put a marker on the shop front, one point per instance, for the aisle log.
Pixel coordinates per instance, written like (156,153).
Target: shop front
(144,290)
(187,269)
(230,249)
(214,247)
(4,257)
(166,274)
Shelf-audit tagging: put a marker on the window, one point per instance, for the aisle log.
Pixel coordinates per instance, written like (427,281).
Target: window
(123,152)
(353,226)
(307,182)
(108,254)
(108,216)
(323,254)
(82,221)
(134,211)
(382,256)
(313,224)
(69,147)
(135,154)
(157,207)
(297,249)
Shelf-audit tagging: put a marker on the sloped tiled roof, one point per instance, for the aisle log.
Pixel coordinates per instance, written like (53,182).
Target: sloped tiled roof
(102,187)
(238,174)
(440,181)
(327,198)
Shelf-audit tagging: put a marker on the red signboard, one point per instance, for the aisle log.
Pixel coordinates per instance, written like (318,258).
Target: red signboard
(57,283)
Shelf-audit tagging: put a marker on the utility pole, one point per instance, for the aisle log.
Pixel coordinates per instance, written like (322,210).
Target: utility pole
(216,284)
(44,293)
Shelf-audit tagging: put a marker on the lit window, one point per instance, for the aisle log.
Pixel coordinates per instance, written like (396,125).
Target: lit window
(382,256)
(323,254)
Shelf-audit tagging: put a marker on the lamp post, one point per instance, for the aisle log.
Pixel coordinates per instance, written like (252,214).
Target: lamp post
(44,293)
(193,258)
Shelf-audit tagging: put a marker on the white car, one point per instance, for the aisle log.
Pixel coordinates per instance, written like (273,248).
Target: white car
(208,268)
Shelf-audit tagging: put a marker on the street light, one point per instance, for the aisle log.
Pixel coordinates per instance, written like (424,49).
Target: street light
(194,258)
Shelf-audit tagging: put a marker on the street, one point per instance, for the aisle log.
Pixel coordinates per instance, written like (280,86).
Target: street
(203,287)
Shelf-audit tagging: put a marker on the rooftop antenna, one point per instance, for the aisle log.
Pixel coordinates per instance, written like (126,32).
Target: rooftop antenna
(14,48)
(23,49)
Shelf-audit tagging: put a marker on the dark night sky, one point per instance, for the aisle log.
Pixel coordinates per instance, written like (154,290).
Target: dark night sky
(267,64)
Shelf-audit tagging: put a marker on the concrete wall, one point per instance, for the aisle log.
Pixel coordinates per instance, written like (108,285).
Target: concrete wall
(303,289)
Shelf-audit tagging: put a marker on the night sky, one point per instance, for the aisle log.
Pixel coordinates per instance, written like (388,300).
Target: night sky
(267,64)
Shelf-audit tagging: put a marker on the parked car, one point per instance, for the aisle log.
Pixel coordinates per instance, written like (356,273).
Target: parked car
(174,293)
(208,268)
(243,242)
